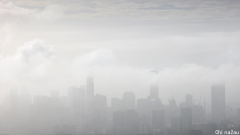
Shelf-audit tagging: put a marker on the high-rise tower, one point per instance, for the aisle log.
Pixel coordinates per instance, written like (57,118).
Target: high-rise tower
(89,107)
(218,103)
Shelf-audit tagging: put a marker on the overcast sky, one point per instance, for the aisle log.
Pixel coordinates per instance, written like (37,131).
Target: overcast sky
(53,44)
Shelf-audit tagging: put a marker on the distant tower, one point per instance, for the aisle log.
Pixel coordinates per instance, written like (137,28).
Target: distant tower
(99,113)
(158,119)
(117,104)
(218,103)
(186,117)
(90,103)
(76,97)
(118,120)
(90,86)
(131,120)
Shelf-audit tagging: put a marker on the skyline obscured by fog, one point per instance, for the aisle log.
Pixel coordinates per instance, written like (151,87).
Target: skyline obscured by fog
(53,45)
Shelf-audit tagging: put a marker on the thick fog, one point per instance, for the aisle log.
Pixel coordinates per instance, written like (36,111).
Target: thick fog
(54,45)
(51,46)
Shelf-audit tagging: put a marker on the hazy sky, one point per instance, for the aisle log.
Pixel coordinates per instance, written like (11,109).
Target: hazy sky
(53,44)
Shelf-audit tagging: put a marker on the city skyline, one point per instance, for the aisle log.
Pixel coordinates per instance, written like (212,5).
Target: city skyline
(119,67)
(83,112)
(51,45)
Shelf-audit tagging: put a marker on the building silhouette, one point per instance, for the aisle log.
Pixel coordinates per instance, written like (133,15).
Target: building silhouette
(186,119)
(158,120)
(218,103)
(100,113)
(77,103)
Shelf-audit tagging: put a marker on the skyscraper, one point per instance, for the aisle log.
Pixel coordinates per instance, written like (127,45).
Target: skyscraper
(238,114)
(176,124)
(131,120)
(89,107)
(143,106)
(186,117)
(100,113)
(117,104)
(173,108)
(76,98)
(118,120)
(158,119)
(218,103)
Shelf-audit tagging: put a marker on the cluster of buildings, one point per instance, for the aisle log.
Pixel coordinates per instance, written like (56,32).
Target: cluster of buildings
(82,112)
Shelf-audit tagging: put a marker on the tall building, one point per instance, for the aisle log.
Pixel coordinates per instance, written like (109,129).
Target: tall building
(238,114)
(90,104)
(42,112)
(158,119)
(131,119)
(118,120)
(186,117)
(100,113)
(173,110)
(125,122)
(198,114)
(176,124)
(128,99)
(156,104)
(76,98)
(90,94)
(218,103)
(144,106)
(117,104)
(145,128)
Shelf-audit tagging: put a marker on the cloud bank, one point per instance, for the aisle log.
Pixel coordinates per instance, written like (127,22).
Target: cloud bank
(197,60)
(35,67)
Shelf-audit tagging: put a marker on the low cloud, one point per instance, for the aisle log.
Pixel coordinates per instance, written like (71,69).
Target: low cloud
(10,12)
(35,67)
(29,62)
(11,9)
(11,15)
(51,12)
